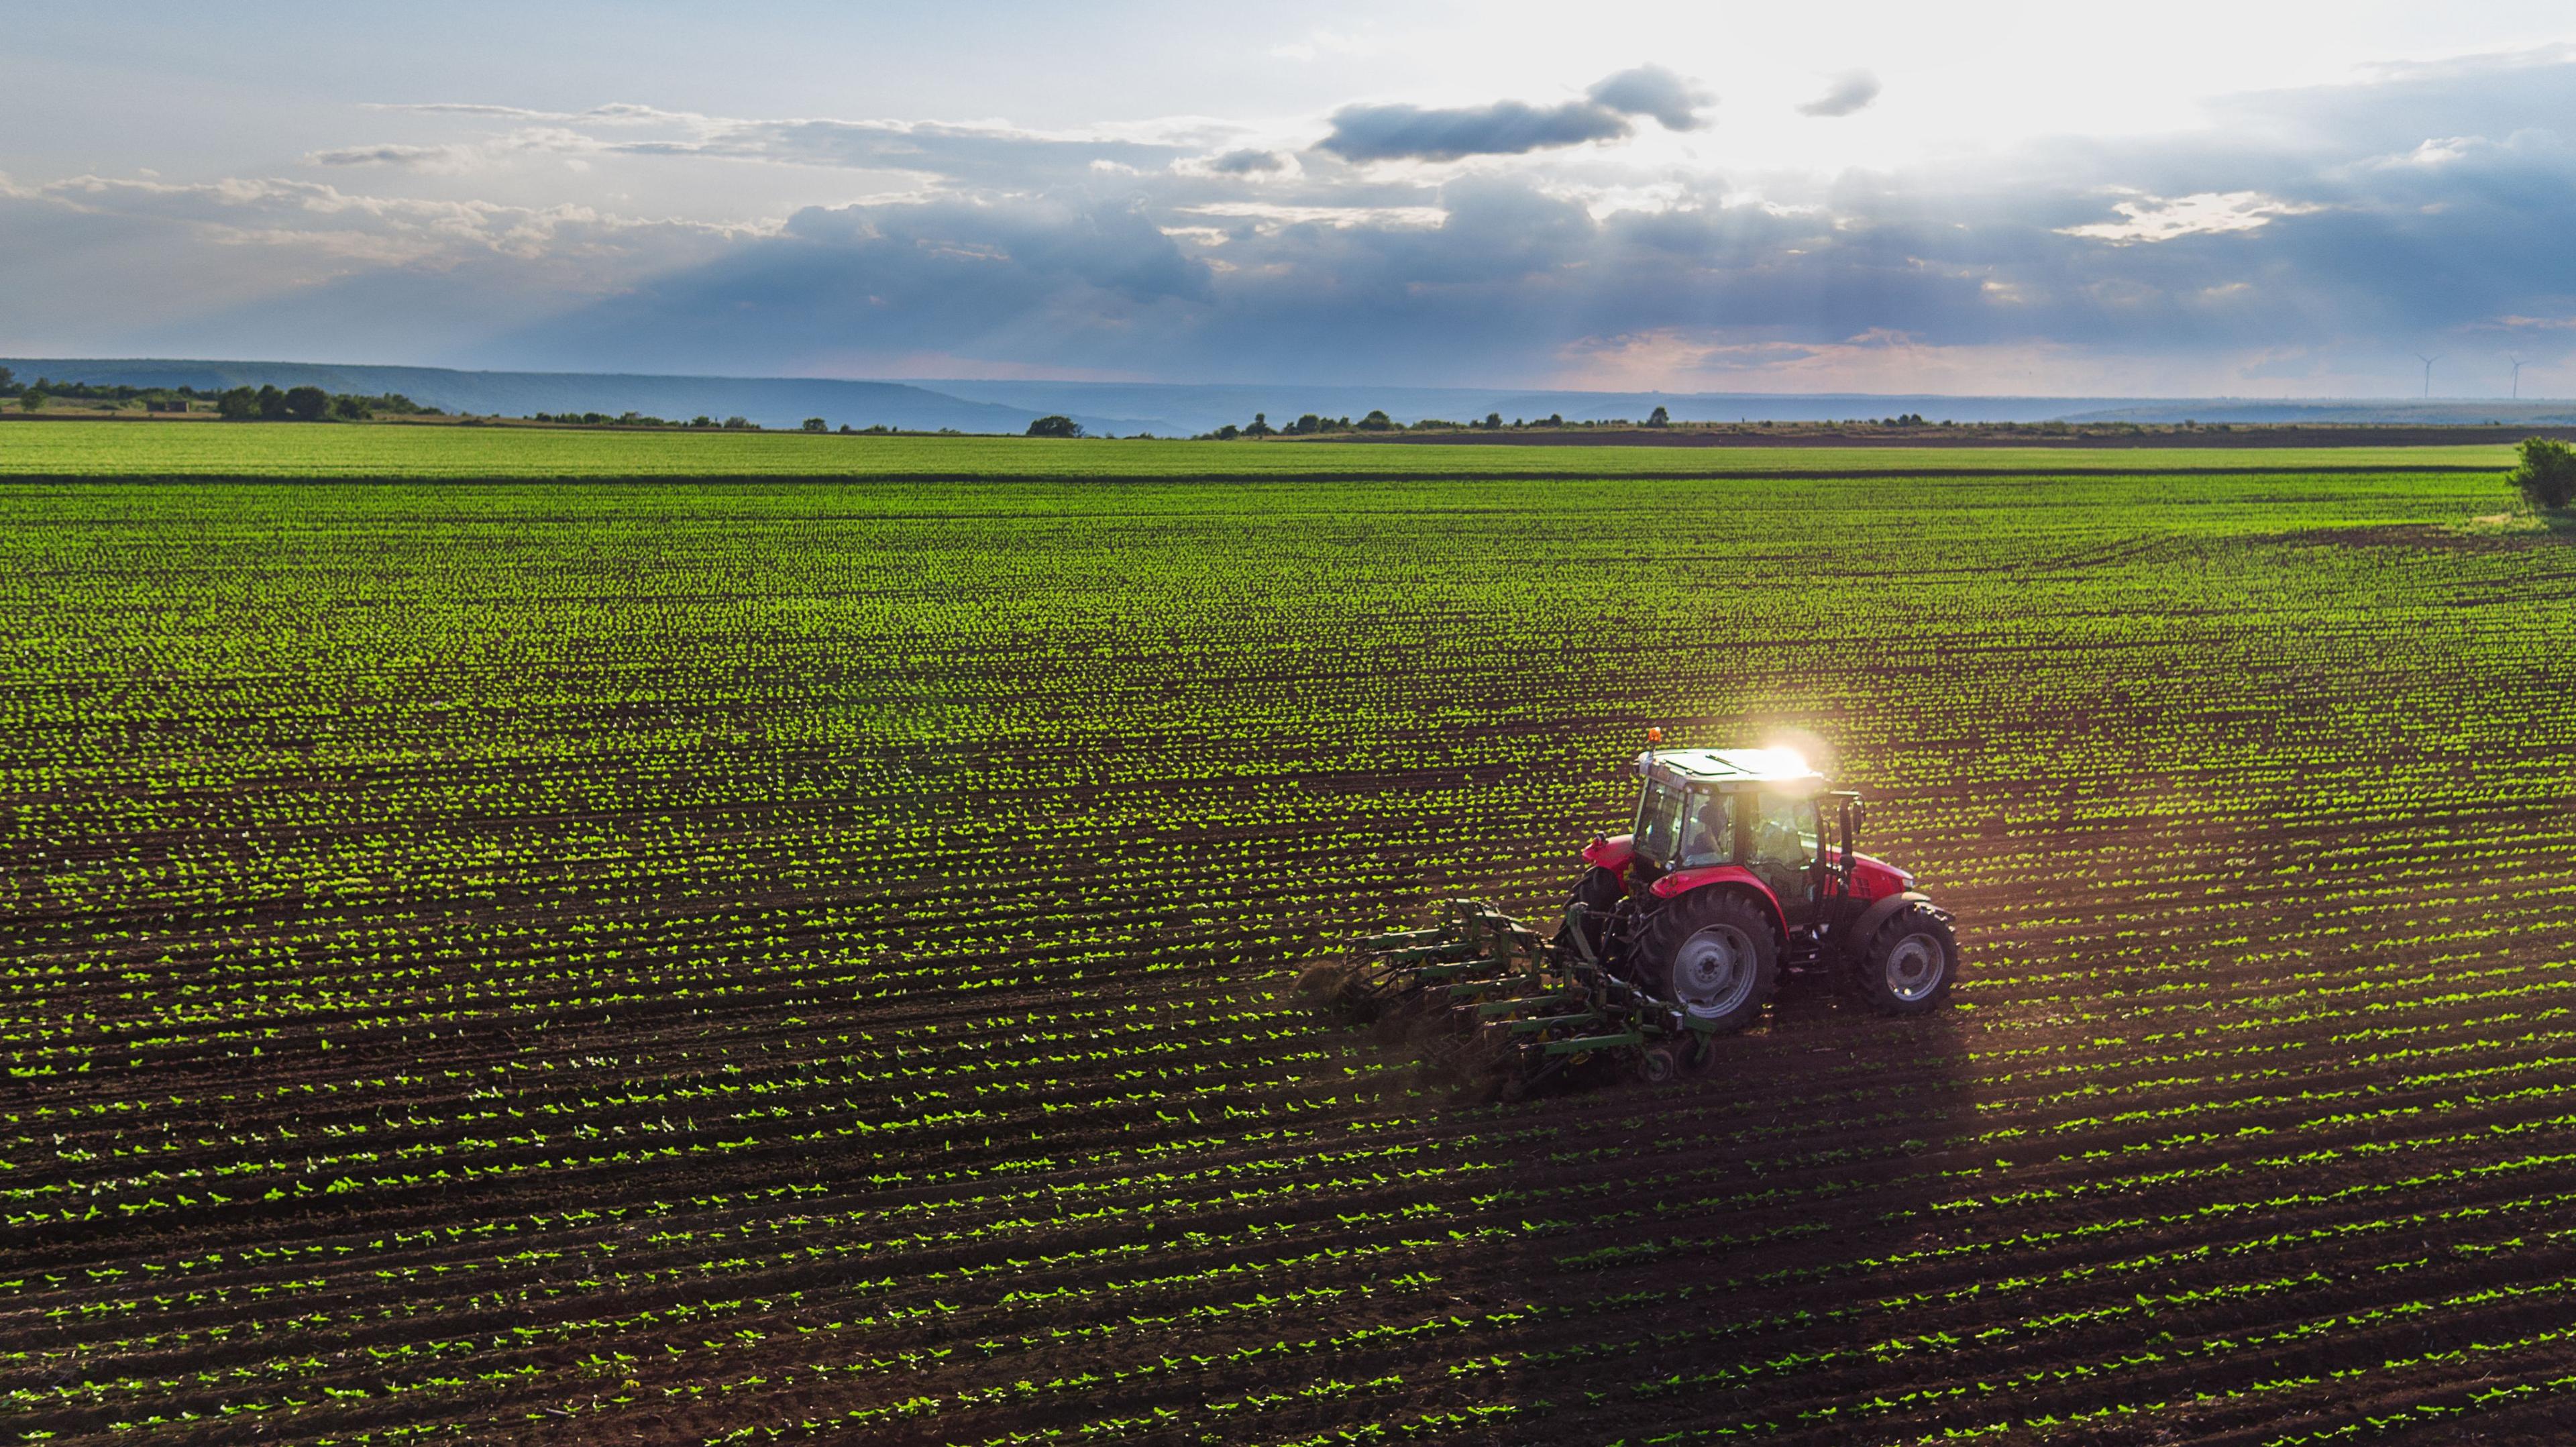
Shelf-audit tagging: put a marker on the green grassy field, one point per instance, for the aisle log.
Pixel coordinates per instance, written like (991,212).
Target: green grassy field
(204,449)
(724,961)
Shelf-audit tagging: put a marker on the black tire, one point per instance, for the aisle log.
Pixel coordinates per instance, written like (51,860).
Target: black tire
(1716,954)
(1703,1052)
(1658,1064)
(1906,967)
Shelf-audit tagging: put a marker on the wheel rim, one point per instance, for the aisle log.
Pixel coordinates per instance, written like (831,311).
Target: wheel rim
(1713,971)
(1915,967)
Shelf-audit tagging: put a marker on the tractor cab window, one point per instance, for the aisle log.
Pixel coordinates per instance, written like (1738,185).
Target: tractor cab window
(1659,822)
(1784,830)
(1711,834)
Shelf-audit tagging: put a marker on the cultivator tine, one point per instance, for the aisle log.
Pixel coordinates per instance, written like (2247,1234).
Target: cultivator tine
(1539,1025)
(1571,936)
(1524,1006)
(1586,1043)
(1494,1008)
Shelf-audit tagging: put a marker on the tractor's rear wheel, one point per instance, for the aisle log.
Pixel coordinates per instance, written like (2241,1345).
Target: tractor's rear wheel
(1716,955)
(1906,967)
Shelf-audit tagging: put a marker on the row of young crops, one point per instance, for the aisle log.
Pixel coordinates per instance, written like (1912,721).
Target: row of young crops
(749,963)
(447,450)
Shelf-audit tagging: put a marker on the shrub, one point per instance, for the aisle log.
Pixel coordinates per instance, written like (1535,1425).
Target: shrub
(1057,426)
(2547,476)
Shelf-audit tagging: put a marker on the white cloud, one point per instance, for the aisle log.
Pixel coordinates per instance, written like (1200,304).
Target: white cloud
(391,230)
(1275,215)
(2162,218)
(2438,152)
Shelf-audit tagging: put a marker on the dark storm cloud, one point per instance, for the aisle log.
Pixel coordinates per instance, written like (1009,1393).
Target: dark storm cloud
(1851,92)
(1651,90)
(1248,162)
(383,155)
(1510,127)
(1504,128)
(898,279)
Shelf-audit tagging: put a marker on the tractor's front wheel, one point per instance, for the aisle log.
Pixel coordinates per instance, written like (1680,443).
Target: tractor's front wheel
(1717,957)
(1906,967)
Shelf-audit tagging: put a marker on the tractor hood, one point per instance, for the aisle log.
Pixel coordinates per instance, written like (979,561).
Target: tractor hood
(1611,851)
(1877,879)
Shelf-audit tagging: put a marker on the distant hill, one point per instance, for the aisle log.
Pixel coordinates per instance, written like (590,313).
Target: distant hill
(1185,408)
(2436,412)
(1173,409)
(769,401)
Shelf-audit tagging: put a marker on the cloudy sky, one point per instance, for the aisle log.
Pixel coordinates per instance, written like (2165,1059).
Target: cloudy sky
(2249,198)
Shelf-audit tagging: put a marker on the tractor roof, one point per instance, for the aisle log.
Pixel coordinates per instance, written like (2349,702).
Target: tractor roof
(1742,768)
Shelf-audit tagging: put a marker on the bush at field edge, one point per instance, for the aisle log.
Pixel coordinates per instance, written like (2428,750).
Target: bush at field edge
(2547,476)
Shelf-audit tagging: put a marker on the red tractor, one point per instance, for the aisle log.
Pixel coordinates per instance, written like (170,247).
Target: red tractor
(1740,866)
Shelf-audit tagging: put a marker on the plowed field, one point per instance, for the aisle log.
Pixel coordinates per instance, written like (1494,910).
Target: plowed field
(739,962)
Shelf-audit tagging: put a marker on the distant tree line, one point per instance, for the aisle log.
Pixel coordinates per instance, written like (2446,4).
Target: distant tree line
(1314,425)
(702,422)
(270,404)
(311,404)
(640,419)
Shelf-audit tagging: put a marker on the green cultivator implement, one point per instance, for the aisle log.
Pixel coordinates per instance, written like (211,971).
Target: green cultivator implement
(1677,934)
(1516,1005)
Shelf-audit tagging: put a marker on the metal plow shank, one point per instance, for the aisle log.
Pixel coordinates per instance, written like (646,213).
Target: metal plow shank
(1475,951)
(1488,1001)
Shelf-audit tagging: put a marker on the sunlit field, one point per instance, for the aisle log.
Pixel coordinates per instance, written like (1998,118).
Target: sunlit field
(742,961)
(257,450)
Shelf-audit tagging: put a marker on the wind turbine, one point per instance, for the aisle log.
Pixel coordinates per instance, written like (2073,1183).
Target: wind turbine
(2517,375)
(2428,372)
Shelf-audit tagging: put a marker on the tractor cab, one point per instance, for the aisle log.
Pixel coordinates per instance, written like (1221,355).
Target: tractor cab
(1765,813)
(1702,807)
